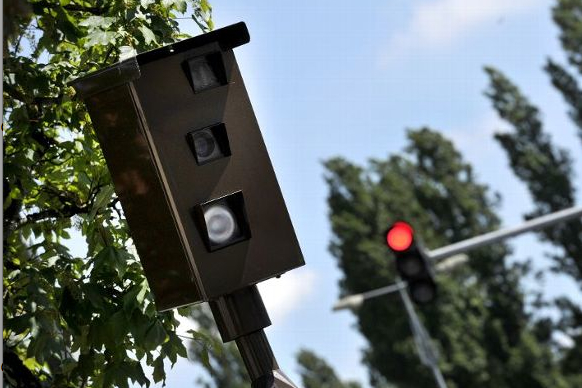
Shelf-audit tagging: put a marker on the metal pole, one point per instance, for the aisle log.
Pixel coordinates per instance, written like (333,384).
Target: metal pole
(260,362)
(357,299)
(489,238)
(242,316)
(425,349)
(438,376)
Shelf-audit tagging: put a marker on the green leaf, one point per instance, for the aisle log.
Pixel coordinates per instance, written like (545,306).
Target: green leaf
(180,5)
(205,357)
(155,336)
(17,324)
(102,199)
(177,345)
(37,346)
(146,3)
(205,6)
(67,25)
(116,328)
(135,297)
(148,35)
(159,373)
(98,37)
(135,373)
(100,22)
(174,348)
(111,258)
(85,365)
(95,294)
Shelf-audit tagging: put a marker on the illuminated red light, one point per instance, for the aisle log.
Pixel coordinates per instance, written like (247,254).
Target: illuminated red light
(399,237)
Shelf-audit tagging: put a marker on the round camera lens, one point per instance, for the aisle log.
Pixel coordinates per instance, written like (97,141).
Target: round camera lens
(220,223)
(204,144)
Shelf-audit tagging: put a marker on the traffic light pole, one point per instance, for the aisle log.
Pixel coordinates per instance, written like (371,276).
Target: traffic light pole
(424,347)
(356,300)
(455,251)
(242,316)
(451,256)
(498,235)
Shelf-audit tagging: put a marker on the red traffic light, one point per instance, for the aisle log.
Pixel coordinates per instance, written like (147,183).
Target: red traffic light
(399,237)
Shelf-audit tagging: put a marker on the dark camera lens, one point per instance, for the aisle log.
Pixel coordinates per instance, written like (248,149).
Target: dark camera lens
(203,71)
(204,144)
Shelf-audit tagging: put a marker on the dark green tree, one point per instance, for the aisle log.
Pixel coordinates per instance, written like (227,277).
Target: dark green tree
(222,362)
(226,369)
(89,320)
(568,16)
(480,324)
(546,169)
(543,167)
(316,372)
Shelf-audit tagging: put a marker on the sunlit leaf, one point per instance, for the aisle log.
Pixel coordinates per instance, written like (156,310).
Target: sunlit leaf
(148,35)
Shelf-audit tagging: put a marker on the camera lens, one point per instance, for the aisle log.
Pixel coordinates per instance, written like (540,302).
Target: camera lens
(220,223)
(204,144)
(203,74)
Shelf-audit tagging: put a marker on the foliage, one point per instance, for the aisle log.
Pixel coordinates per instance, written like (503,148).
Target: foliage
(546,169)
(222,362)
(316,373)
(568,16)
(480,324)
(225,366)
(73,320)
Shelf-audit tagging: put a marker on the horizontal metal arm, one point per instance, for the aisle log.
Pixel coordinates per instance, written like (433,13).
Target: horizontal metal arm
(498,235)
(353,301)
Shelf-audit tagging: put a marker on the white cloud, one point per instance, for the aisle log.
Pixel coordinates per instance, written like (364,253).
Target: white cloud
(439,23)
(476,138)
(282,296)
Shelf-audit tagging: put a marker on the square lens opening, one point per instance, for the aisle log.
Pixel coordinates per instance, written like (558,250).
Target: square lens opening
(210,143)
(206,72)
(223,221)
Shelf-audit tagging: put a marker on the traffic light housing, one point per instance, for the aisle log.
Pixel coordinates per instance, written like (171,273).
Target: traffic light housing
(412,263)
(190,167)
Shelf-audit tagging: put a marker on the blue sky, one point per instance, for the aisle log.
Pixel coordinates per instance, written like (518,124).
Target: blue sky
(347,78)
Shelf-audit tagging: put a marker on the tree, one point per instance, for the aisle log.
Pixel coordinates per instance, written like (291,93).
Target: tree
(73,321)
(316,372)
(480,324)
(546,169)
(428,187)
(222,362)
(225,367)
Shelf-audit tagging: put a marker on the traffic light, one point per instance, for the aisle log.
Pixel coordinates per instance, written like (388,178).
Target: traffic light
(190,167)
(412,263)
